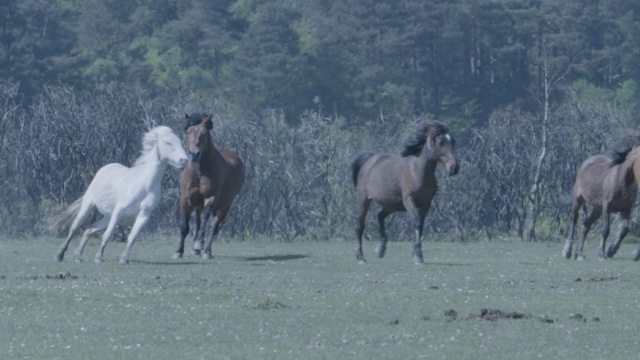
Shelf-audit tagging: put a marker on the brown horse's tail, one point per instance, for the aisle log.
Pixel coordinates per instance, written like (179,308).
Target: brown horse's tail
(357,164)
(61,222)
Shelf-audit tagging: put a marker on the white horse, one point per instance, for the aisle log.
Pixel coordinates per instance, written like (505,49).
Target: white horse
(119,192)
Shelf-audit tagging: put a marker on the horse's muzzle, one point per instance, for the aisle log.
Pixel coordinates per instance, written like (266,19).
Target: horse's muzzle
(195,156)
(454,170)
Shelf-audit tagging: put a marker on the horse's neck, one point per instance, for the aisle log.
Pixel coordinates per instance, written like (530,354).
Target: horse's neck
(425,164)
(212,155)
(149,173)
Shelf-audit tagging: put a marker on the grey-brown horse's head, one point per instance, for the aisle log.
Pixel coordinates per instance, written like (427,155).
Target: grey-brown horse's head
(436,139)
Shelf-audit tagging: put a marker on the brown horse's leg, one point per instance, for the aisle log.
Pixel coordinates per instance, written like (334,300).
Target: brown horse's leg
(216,223)
(363,207)
(624,230)
(184,231)
(201,227)
(575,213)
(586,225)
(382,248)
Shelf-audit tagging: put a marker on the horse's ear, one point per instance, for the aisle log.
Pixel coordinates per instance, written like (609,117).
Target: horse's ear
(186,116)
(208,122)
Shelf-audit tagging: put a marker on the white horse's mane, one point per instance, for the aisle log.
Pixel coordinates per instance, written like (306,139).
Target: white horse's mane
(149,143)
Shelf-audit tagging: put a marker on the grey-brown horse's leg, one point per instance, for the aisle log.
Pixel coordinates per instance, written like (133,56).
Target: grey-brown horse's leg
(362,215)
(624,230)
(417,218)
(584,230)
(575,213)
(636,254)
(382,248)
(605,228)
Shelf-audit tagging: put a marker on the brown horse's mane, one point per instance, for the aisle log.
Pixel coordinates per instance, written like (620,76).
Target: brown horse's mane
(414,144)
(195,119)
(619,151)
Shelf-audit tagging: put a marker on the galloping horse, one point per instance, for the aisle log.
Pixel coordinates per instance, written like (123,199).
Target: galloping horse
(118,192)
(605,184)
(405,182)
(210,181)
(632,165)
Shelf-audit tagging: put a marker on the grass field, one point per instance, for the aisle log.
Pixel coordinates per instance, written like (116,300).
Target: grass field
(311,300)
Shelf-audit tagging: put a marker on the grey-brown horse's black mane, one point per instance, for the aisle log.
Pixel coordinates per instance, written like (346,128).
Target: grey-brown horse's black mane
(414,144)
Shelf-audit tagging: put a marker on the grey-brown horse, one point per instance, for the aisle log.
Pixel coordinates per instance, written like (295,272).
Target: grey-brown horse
(631,165)
(603,183)
(405,182)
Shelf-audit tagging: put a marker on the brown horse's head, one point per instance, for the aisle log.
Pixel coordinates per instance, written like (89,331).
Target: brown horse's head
(197,127)
(434,140)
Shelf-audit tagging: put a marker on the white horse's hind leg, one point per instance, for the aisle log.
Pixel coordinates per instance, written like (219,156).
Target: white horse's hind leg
(82,214)
(94,228)
(141,220)
(107,234)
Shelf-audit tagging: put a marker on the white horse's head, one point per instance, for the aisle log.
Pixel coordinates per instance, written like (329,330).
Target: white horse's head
(168,145)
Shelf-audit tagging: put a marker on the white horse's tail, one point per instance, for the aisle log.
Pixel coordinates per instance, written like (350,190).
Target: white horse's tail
(61,222)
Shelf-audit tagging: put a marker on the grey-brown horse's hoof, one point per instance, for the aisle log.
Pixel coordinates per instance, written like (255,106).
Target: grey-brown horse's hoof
(207,256)
(381,250)
(579,257)
(59,257)
(176,256)
(566,254)
(418,260)
(636,255)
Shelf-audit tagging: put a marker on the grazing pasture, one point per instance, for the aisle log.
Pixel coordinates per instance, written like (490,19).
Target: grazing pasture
(310,300)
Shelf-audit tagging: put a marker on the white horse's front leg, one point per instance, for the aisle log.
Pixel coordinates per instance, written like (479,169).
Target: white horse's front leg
(141,220)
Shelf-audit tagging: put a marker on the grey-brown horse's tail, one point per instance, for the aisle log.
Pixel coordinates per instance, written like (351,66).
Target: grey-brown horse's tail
(357,164)
(61,222)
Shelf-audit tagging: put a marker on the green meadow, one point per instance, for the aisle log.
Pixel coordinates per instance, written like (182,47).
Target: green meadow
(311,300)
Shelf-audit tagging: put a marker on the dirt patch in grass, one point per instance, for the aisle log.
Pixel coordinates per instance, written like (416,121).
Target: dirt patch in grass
(271,305)
(60,276)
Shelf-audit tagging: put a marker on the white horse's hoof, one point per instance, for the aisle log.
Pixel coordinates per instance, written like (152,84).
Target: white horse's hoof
(124,261)
(176,256)
(207,256)
(98,260)
(78,259)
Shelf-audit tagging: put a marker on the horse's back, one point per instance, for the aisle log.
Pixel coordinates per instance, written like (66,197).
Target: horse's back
(236,173)
(598,180)
(380,177)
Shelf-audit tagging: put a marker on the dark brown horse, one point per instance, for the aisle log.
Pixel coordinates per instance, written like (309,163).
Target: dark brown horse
(603,183)
(404,182)
(209,182)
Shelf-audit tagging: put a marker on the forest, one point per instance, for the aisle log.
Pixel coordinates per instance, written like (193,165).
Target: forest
(529,89)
